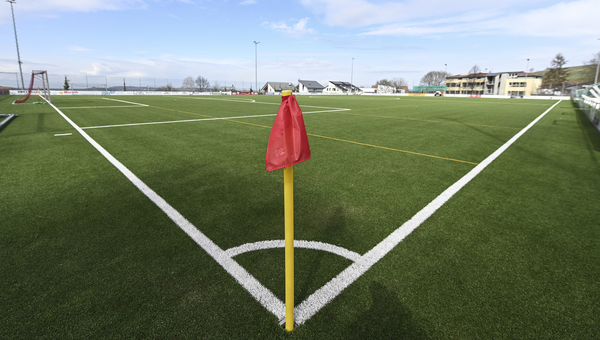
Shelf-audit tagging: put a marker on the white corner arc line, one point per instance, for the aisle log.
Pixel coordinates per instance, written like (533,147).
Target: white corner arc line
(309,307)
(124,101)
(263,295)
(330,248)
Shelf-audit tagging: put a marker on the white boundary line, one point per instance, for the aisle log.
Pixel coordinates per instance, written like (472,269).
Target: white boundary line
(199,120)
(124,101)
(333,288)
(96,107)
(263,295)
(175,121)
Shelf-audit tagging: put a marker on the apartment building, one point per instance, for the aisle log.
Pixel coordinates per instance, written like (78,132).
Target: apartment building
(515,83)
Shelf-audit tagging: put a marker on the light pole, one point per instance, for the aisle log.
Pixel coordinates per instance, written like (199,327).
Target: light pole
(597,68)
(256,65)
(17,41)
(352,77)
(527,69)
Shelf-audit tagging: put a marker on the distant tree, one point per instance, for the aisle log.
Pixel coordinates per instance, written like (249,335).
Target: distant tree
(167,87)
(187,84)
(216,87)
(556,75)
(66,85)
(124,86)
(475,69)
(396,83)
(434,78)
(202,84)
(589,72)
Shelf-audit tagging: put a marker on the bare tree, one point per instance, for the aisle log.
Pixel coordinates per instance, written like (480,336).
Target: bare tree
(396,83)
(475,69)
(589,72)
(188,84)
(216,87)
(434,78)
(202,84)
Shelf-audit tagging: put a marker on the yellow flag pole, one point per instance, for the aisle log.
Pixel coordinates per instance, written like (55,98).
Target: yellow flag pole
(288,193)
(288,198)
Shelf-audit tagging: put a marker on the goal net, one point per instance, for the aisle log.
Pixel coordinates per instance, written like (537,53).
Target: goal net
(39,85)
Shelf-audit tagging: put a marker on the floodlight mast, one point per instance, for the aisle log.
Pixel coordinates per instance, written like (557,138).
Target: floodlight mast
(17,42)
(352,78)
(256,66)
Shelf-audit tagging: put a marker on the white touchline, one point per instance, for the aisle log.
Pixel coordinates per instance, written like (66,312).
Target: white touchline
(333,288)
(175,121)
(249,282)
(124,101)
(97,107)
(62,134)
(198,120)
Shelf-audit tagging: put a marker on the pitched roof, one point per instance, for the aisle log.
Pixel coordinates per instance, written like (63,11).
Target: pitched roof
(279,86)
(343,84)
(311,84)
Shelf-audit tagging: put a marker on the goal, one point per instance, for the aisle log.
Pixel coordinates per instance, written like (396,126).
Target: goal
(39,82)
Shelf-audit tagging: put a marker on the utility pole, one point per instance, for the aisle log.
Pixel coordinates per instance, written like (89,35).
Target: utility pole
(17,42)
(597,68)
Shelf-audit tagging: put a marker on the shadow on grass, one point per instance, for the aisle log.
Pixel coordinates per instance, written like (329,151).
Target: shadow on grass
(335,224)
(387,318)
(591,134)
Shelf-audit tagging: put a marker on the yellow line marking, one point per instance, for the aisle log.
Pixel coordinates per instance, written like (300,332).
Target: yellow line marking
(386,148)
(332,138)
(420,120)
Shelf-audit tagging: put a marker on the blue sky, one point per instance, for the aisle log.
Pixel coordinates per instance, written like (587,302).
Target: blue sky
(299,39)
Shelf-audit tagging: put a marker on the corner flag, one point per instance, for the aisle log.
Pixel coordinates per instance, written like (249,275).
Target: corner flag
(288,143)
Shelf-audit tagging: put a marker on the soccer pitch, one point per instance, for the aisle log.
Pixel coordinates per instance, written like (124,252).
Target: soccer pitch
(416,218)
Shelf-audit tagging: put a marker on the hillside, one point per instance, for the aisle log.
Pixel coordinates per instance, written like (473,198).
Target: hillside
(576,73)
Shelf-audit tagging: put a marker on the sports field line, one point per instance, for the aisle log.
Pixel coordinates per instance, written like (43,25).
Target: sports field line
(309,307)
(124,101)
(175,121)
(194,120)
(94,107)
(332,138)
(269,103)
(426,120)
(263,295)
(103,107)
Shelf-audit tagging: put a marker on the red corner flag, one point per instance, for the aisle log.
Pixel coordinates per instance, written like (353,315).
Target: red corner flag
(288,143)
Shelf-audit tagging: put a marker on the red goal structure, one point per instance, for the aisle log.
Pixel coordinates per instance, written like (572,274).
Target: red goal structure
(39,85)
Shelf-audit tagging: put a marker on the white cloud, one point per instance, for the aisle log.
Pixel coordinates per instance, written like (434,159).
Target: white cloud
(248,2)
(297,29)
(559,20)
(78,49)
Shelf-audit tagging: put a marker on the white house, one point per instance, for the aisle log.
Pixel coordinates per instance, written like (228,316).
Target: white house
(309,86)
(277,87)
(340,87)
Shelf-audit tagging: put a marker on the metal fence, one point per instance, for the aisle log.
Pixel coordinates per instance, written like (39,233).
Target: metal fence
(112,83)
(588,100)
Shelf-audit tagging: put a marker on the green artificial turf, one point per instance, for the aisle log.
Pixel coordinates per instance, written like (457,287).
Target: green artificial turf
(514,254)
